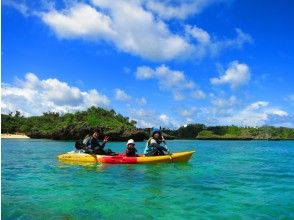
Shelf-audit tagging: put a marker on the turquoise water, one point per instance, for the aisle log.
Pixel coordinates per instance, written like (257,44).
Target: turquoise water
(223,180)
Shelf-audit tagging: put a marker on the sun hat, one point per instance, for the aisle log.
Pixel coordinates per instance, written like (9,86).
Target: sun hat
(130,141)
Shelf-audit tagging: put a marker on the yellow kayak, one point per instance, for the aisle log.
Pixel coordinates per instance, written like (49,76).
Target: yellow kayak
(123,159)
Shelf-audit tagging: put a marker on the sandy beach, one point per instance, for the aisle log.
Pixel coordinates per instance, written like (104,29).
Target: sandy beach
(14,136)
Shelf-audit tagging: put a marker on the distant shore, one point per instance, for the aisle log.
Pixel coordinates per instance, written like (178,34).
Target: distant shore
(14,136)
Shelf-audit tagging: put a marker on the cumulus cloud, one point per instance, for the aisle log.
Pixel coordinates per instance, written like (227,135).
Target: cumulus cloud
(136,27)
(19,6)
(187,112)
(145,72)
(257,105)
(33,96)
(224,103)
(254,114)
(178,96)
(81,20)
(170,80)
(121,95)
(147,118)
(167,78)
(198,33)
(222,106)
(177,9)
(142,101)
(237,42)
(207,45)
(126,24)
(236,75)
(163,118)
(198,94)
(140,28)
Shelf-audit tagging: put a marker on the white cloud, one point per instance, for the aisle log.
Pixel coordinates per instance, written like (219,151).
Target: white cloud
(208,45)
(121,95)
(19,6)
(169,80)
(236,75)
(198,94)
(33,96)
(254,114)
(144,72)
(187,112)
(199,34)
(142,101)
(147,118)
(224,103)
(257,105)
(178,96)
(137,27)
(126,24)
(167,121)
(277,112)
(178,9)
(237,42)
(164,118)
(81,20)
(222,107)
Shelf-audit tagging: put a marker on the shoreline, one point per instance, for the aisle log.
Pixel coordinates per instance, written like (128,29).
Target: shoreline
(18,136)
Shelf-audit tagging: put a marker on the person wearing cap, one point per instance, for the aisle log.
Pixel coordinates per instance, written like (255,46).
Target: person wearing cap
(156,145)
(131,150)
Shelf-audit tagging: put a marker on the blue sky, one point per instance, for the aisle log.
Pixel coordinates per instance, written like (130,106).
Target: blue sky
(161,63)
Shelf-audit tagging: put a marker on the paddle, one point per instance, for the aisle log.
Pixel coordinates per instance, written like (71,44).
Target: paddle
(165,145)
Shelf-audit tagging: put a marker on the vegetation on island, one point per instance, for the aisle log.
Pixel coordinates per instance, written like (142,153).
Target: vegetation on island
(202,132)
(76,125)
(73,126)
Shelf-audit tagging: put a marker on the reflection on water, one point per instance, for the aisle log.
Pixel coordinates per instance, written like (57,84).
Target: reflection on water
(100,167)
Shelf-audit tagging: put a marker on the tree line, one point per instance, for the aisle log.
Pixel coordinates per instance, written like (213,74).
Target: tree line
(75,125)
(201,131)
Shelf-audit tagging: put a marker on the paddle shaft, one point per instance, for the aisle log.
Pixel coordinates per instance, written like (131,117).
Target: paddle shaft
(170,154)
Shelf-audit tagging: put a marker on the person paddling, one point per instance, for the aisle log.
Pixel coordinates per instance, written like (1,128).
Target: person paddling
(94,146)
(131,150)
(156,144)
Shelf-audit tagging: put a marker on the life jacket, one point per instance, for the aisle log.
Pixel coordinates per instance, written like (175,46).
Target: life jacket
(87,140)
(149,141)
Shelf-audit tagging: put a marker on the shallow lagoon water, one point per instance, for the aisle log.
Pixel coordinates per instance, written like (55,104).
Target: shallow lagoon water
(223,180)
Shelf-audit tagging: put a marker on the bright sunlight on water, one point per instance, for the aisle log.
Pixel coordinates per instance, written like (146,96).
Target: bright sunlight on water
(223,180)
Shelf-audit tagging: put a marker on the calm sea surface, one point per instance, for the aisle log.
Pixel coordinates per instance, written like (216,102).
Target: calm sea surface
(223,180)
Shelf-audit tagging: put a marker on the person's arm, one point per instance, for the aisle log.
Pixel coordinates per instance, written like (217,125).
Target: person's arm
(105,140)
(147,146)
(164,144)
(101,146)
